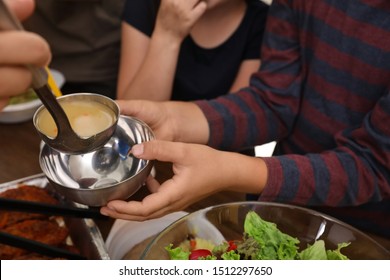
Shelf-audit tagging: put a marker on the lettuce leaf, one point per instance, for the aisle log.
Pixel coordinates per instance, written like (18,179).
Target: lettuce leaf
(316,251)
(177,253)
(230,255)
(274,244)
(336,254)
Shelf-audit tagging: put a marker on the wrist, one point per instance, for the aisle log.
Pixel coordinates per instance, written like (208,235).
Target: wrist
(243,173)
(167,37)
(188,122)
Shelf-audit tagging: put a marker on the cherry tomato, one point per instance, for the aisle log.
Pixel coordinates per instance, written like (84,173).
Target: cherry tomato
(196,254)
(232,245)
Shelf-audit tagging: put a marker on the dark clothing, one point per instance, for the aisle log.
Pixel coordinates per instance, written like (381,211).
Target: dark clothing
(84,37)
(107,88)
(205,73)
(323,93)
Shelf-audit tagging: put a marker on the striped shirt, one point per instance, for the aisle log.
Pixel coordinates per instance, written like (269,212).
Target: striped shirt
(323,93)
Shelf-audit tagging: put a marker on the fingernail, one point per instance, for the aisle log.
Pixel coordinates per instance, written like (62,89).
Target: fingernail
(103,212)
(137,150)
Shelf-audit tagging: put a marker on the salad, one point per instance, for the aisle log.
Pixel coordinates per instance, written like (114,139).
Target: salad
(261,240)
(27,96)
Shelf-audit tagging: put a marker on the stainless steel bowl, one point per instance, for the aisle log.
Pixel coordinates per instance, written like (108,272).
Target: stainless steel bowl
(105,174)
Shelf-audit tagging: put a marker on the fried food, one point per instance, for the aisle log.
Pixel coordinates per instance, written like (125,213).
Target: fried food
(29,193)
(45,231)
(38,227)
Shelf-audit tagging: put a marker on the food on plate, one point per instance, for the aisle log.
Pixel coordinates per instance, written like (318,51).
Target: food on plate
(27,96)
(44,231)
(50,230)
(87,118)
(261,240)
(24,192)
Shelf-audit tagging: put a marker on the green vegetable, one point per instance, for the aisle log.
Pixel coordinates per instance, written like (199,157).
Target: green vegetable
(262,240)
(230,255)
(177,253)
(274,244)
(316,251)
(24,97)
(336,254)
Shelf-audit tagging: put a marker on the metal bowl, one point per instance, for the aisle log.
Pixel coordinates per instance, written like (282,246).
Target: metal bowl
(226,222)
(106,174)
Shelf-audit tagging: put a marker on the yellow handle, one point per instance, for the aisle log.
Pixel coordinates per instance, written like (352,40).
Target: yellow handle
(52,83)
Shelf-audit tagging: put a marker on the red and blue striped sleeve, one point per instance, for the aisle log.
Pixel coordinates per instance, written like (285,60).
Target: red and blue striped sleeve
(323,93)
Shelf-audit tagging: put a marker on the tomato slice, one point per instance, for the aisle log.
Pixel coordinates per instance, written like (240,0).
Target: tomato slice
(232,245)
(196,254)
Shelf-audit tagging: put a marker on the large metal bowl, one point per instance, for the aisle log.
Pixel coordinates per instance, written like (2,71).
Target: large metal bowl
(226,222)
(108,173)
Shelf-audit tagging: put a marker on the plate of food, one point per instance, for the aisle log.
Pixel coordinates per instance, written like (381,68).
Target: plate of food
(66,236)
(22,107)
(262,231)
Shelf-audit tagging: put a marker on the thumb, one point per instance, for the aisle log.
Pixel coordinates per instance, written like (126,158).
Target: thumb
(159,150)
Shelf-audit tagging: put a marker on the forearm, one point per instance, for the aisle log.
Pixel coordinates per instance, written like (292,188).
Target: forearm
(188,121)
(154,79)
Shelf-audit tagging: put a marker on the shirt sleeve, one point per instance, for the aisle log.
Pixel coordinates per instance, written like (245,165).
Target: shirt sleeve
(141,14)
(266,110)
(351,171)
(355,172)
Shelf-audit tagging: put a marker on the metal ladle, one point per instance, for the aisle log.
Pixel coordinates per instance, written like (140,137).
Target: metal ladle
(67,140)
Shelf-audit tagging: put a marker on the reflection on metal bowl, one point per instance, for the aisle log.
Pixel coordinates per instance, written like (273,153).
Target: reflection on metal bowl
(105,174)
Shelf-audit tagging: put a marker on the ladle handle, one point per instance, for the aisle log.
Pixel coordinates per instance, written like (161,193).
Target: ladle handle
(9,22)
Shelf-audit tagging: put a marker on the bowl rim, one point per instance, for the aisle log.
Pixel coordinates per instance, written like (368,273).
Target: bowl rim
(259,203)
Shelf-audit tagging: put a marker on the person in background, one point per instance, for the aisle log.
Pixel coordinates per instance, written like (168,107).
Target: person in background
(323,93)
(190,49)
(18,48)
(84,37)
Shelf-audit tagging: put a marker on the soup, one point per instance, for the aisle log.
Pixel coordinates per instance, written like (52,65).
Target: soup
(87,118)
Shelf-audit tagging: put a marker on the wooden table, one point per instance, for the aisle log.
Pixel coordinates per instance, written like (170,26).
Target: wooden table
(19,150)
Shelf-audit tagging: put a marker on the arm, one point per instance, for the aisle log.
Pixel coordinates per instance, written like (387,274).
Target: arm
(345,174)
(273,97)
(345,161)
(144,60)
(247,68)
(172,121)
(353,173)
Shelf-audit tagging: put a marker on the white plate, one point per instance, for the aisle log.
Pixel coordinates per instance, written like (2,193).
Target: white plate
(22,112)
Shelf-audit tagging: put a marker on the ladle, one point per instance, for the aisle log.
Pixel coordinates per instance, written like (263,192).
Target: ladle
(67,140)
